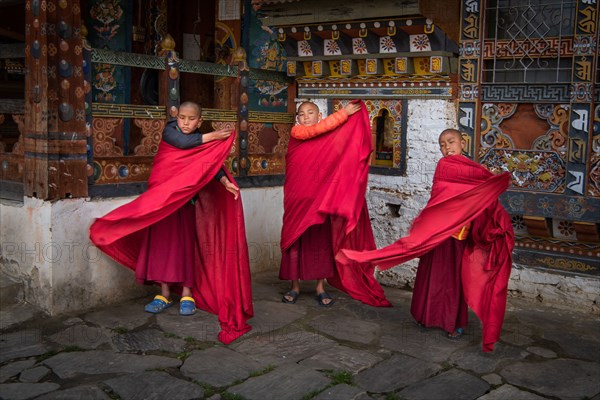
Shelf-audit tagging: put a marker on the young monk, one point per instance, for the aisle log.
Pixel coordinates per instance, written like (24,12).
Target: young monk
(325,206)
(438,299)
(186,232)
(465,240)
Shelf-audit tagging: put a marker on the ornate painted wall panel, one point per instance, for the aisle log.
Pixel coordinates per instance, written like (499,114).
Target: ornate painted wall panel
(538,121)
(594,178)
(109,27)
(266,53)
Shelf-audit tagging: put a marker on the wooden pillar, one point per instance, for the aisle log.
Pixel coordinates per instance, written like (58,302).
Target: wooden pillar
(581,118)
(469,71)
(168,92)
(55,140)
(243,81)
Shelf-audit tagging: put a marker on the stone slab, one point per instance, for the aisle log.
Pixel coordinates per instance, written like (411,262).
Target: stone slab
(128,316)
(575,345)
(82,336)
(510,392)
(287,382)
(342,358)
(201,326)
(95,362)
(147,340)
(549,377)
(283,346)
(22,391)
(340,392)
(336,326)
(472,358)
(14,368)
(453,384)
(154,385)
(34,375)
(395,373)
(492,379)
(77,393)
(20,344)
(428,345)
(540,351)
(269,316)
(219,366)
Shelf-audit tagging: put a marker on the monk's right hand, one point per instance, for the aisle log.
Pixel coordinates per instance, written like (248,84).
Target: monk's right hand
(222,133)
(218,135)
(352,108)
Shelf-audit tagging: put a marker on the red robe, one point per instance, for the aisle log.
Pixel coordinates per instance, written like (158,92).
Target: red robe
(327,176)
(222,269)
(463,191)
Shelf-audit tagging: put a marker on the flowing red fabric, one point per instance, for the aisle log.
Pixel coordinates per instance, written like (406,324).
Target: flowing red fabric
(327,175)
(463,191)
(222,268)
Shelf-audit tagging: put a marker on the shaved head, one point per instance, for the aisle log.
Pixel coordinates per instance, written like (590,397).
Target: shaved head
(191,104)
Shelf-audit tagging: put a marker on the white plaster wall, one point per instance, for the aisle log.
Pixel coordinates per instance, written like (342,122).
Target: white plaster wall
(409,194)
(24,241)
(85,277)
(556,290)
(45,246)
(263,216)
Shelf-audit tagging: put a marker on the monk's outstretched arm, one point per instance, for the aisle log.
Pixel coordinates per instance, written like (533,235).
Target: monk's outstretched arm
(336,119)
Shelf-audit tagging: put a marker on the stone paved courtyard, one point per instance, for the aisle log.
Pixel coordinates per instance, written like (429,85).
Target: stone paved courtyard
(301,351)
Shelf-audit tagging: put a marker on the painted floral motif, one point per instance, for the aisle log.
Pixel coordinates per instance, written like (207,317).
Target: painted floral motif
(419,43)
(594,186)
(104,82)
(575,207)
(332,48)
(518,223)
(565,228)
(304,49)
(386,45)
(108,13)
(545,205)
(359,46)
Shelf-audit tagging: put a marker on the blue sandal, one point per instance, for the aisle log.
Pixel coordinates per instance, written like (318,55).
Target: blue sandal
(187,306)
(158,304)
(456,335)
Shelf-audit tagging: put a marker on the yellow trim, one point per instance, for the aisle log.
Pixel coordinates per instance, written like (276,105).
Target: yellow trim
(160,297)
(188,298)
(463,233)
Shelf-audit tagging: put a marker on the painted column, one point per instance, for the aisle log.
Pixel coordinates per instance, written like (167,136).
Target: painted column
(168,92)
(55,140)
(581,118)
(469,70)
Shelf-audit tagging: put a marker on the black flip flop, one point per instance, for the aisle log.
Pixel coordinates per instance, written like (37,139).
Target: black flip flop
(293,294)
(323,296)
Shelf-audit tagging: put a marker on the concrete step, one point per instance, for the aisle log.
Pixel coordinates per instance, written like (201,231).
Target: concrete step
(11,291)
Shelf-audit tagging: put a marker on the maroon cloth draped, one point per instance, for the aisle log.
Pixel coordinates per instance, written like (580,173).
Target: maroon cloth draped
(327,176)
(463,191)
(438,299)
(222,272)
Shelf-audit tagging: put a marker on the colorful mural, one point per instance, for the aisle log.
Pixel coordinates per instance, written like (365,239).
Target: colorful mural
(266,53)
(109,23)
